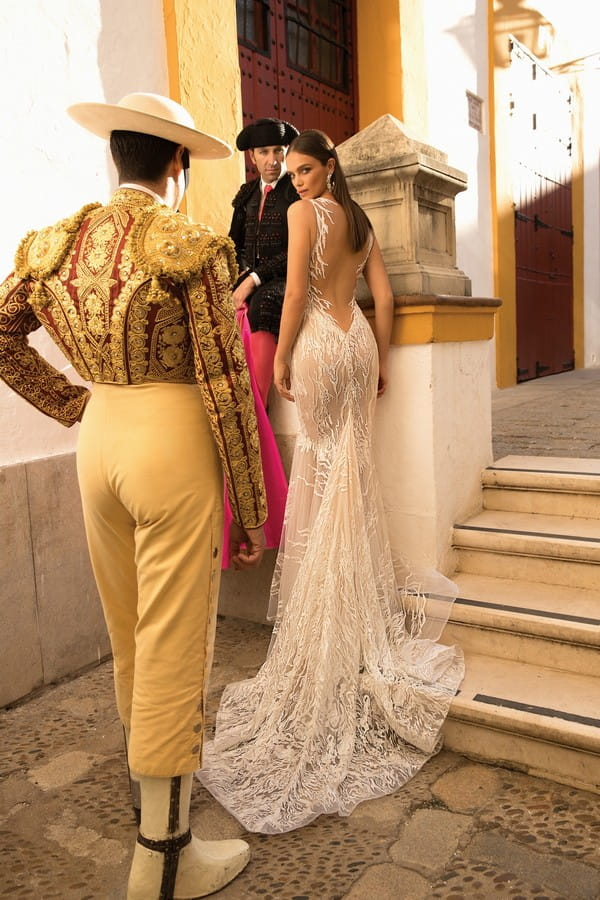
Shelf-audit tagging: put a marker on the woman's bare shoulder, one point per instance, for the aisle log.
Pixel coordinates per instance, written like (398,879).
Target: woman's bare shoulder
(301,210)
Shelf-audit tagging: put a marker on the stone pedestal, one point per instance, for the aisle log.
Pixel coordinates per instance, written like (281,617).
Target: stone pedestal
(407,189)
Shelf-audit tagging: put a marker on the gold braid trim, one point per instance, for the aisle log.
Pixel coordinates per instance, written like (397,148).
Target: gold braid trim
(21,268)
(223,378)
(23,369)
(41,253)
(165,244)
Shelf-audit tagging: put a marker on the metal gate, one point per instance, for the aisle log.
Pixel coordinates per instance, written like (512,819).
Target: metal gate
(297,62)
(542,169)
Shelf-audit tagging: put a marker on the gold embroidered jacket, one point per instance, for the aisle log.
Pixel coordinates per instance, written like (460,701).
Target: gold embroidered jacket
(133,292)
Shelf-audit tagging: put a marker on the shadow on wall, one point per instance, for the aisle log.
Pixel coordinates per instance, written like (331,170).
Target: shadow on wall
(511,17)
(51,615)
(530,27)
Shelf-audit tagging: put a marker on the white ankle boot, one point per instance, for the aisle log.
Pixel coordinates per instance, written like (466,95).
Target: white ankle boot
(170,864)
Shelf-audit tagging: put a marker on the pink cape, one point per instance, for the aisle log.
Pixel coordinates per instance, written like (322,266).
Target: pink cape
(275,480)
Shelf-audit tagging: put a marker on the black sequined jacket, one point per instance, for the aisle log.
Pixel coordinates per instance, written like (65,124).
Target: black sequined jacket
(261,247)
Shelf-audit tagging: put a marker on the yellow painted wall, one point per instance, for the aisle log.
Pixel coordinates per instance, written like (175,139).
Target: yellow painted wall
(205,78)
(390,54)
(378,60)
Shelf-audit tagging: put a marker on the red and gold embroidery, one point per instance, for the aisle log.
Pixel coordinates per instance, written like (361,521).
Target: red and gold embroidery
(133,292)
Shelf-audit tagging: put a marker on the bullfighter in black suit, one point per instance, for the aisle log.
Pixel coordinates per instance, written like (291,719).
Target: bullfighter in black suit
(259,231)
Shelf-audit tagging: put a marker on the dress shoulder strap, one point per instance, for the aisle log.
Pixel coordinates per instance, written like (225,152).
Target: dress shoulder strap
(369,247)
(324,216)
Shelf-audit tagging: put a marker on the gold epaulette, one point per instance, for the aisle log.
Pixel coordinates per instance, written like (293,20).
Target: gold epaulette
(41,253)
(166,244)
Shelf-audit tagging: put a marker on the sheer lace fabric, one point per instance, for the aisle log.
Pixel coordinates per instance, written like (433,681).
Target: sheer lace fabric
(354,691)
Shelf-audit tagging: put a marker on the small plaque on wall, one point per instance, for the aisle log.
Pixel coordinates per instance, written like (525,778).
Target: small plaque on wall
(475,108)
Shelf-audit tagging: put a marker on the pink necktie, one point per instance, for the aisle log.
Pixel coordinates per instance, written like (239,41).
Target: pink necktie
(267,189)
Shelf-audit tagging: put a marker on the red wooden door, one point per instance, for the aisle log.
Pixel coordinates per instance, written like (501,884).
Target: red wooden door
(297,63)
(542,169)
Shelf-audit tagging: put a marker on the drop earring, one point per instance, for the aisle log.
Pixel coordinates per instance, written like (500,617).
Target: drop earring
(329,182)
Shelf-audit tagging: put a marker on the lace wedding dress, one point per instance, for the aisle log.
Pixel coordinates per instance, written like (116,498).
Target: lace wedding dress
(350,701)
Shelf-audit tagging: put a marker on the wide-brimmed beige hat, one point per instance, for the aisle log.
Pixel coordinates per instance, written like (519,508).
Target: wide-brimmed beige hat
(150,114)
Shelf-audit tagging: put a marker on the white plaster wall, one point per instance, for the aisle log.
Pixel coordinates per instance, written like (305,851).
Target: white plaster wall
(461,374)
(282,414)
(456,54)
(432,440)
(55,54)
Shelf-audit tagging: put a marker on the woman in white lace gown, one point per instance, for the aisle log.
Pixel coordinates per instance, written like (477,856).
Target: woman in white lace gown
(354,691)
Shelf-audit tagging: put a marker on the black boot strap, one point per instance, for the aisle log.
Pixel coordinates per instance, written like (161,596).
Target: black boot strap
(171,847)
(168,845)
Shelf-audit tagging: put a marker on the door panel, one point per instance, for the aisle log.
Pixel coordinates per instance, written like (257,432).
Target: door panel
(297,63)
(541,146)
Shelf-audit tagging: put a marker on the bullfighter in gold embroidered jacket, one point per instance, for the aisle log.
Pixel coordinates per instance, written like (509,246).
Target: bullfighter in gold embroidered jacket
(139,300)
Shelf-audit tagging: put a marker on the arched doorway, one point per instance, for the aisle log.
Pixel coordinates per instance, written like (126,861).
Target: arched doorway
(297,62)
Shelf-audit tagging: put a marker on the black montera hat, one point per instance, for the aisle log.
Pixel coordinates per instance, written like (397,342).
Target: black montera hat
(266,133)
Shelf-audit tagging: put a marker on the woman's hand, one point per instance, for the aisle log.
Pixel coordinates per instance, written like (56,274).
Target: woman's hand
(382,382)
(281,379)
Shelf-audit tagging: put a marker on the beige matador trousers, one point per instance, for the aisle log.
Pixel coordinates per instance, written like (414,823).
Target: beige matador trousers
(152,492)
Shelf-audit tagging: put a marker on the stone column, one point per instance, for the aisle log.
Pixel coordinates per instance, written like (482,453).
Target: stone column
(407,189)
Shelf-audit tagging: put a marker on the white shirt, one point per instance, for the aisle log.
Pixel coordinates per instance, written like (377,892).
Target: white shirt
(142,187)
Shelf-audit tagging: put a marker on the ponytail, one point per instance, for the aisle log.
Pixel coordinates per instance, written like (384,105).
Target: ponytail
(316,144)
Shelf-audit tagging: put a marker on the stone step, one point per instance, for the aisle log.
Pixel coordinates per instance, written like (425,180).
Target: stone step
(550,625)
(530,547)
(531,718)
(544,485)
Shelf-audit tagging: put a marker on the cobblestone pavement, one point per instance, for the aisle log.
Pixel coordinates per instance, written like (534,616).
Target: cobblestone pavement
(556,416)
(459,830)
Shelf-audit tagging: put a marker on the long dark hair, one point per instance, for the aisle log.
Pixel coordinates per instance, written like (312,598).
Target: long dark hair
(316,144)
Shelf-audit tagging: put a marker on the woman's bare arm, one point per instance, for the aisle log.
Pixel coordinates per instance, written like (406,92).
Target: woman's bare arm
(383,300)
(301,234)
